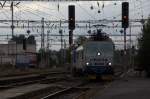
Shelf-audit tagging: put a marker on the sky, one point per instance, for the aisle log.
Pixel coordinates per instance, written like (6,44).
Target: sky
(85,10)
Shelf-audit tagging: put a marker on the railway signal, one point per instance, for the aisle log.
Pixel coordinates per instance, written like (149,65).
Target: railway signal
(125,20)
(125,14)
(71,17)
(71,22)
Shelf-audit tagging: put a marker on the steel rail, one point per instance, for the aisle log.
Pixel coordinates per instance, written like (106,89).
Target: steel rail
(55,94)
(40,78)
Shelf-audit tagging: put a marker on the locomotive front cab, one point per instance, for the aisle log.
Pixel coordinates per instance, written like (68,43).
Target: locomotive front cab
(99,58)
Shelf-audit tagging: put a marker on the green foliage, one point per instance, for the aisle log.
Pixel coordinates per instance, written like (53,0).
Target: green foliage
(144,48)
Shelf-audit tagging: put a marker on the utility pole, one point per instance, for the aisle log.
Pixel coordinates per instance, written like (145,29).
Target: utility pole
(42,42)
(48,51)
(12,17)
(48,39)
(42,34)
(61,51)
(130,44)
(61,39)
(12,12)
(64,51)
(130,35)
(125,45)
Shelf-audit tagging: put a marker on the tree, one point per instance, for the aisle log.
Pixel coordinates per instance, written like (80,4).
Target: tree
(144,48)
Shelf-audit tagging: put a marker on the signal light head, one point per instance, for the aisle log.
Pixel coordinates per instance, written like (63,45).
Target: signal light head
(71,17)
(125,17)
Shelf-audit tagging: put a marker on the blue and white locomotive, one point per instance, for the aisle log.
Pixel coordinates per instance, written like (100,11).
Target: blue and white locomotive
(95,56)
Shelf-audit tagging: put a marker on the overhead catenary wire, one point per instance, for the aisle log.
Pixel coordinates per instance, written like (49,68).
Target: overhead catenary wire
(40,12)
(92,16)
(28,10)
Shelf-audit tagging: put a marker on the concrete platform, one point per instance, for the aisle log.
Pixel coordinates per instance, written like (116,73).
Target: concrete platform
(6,94)
(129,88)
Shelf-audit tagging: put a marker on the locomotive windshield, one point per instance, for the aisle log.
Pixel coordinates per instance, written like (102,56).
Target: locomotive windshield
(103,47)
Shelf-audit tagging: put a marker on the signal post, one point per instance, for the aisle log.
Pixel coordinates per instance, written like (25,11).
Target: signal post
(125,25)
(71,26)
(125,20)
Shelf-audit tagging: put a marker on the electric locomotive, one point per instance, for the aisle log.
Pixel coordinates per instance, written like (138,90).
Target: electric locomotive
(95,57)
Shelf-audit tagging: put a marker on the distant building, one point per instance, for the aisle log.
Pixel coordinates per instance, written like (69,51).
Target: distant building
(9,52)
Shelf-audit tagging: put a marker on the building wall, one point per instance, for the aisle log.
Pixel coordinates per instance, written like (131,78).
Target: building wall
(8,52)
(30,48)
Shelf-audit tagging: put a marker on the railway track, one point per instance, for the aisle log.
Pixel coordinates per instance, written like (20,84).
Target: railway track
(70,90)
(12,82)
(36,91)
(59,90)
(18,84)
(56,87)
(65,93)
(31,85)
(84,90)
(78,91)
(66,88)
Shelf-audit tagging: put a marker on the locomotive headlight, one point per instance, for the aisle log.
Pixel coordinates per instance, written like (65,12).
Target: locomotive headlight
(98,53)
(87,63)
(109,64)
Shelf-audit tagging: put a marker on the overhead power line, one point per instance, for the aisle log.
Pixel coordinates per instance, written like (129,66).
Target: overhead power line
(62,0)
(77,21)
(75,35)
(57,27)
